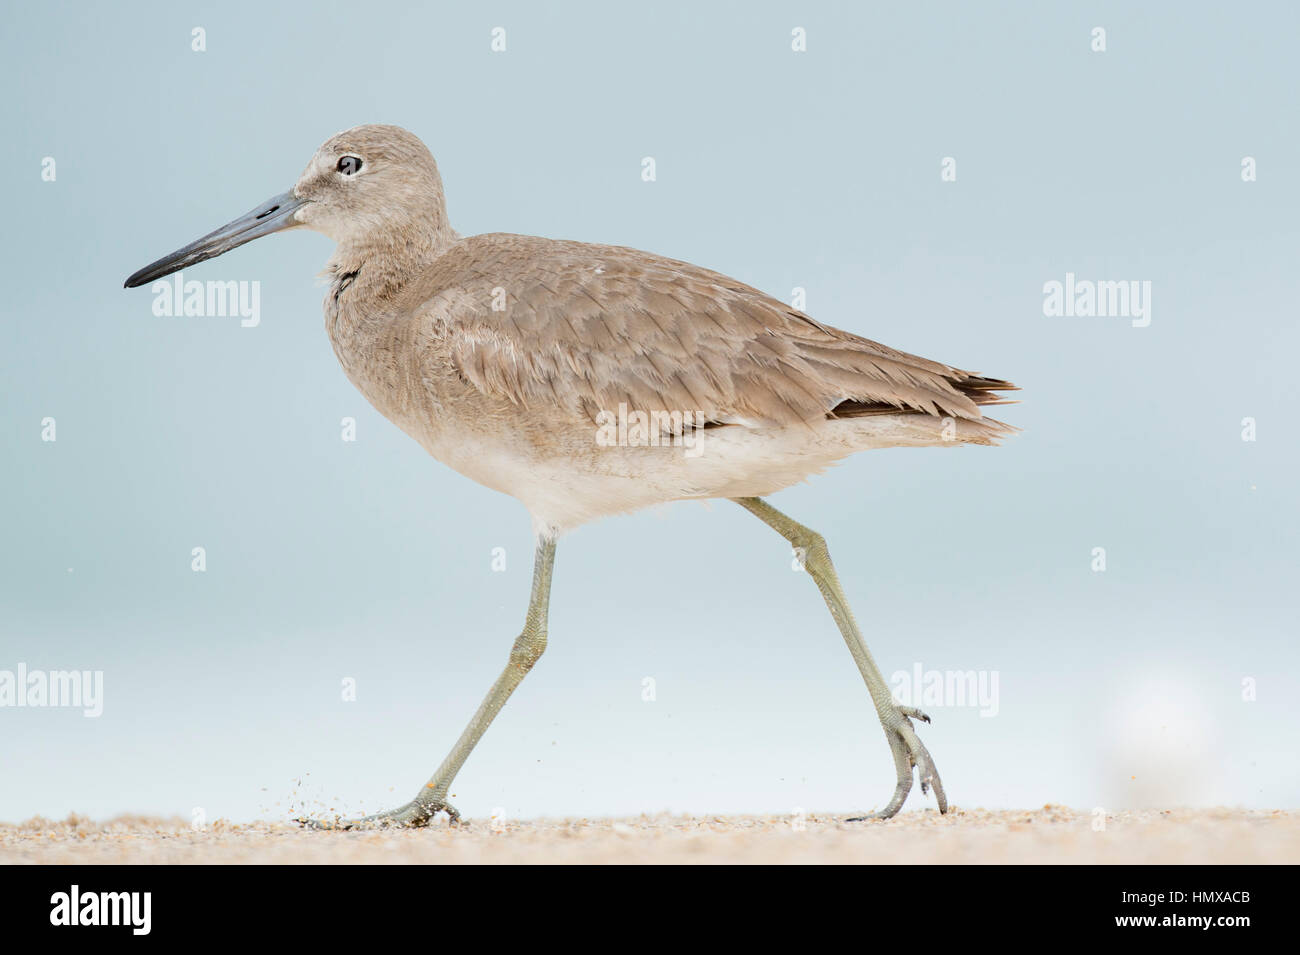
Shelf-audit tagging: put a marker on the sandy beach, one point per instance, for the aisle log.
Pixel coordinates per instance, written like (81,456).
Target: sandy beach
(1050,834)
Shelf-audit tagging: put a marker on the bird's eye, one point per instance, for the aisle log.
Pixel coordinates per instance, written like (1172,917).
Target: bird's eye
(349,165)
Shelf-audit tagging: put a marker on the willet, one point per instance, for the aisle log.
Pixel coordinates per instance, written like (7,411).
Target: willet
(590,380)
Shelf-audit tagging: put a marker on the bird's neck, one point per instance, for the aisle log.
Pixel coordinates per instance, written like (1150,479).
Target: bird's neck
(377,266)
(367,281)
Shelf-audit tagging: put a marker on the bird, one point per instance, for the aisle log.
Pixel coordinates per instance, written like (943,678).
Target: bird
(592,380)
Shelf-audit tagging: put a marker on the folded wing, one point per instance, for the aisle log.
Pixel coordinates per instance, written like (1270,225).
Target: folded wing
(592,327)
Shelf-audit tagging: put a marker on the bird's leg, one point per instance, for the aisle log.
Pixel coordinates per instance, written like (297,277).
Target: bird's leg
(906,747)
(432,799)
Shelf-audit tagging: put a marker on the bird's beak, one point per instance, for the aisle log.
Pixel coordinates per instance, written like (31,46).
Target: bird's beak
(274,215)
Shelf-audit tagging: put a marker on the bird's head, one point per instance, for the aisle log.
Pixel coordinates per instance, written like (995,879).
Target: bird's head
(368,179)
(369,185)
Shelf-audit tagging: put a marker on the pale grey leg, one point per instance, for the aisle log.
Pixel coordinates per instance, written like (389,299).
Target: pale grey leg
(527,649)
(907,749)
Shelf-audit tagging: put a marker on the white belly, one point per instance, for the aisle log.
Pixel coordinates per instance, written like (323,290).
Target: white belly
(575,481)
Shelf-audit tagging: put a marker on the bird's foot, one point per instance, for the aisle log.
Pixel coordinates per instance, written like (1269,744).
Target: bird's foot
(909,753)
(414,815)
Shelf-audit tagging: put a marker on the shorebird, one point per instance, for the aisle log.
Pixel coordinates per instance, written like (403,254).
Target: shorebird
(590,380)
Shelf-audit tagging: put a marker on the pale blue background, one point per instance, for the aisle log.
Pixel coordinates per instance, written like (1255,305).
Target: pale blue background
(369,560)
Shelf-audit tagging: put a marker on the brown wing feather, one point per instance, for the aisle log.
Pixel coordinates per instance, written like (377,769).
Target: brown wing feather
(593,326)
